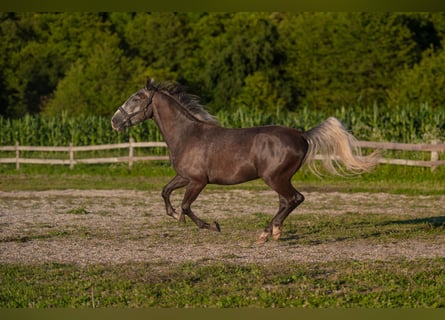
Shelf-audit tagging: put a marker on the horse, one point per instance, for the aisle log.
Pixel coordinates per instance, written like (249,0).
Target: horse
(203,152)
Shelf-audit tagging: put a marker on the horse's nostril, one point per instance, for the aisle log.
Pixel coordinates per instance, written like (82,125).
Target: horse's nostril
(114,120)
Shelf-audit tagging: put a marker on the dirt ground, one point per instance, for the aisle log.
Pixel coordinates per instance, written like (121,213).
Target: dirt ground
(120,226)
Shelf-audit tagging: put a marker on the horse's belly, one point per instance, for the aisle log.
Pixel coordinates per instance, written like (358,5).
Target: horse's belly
(232,173)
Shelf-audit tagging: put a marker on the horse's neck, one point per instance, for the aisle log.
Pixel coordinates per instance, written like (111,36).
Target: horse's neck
(171,121)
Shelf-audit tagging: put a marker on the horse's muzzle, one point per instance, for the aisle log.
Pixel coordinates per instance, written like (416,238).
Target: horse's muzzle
(116,124)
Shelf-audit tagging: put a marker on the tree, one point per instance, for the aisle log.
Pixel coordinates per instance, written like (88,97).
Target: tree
(55,61)
(232,47)
(336,59)
(160,39)
(258,94)
(98,83)
(423,83)
(39,48)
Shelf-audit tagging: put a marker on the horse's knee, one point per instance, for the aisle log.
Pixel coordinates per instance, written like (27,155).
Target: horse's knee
(297,199)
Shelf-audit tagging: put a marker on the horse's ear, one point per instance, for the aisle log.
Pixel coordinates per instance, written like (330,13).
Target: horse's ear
(149,84)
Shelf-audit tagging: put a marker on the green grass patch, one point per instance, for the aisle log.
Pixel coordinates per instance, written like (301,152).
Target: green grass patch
(154,175)
(397,283)
(317,229)
(144,176)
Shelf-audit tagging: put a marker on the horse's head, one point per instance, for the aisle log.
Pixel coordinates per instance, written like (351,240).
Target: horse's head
(136,109)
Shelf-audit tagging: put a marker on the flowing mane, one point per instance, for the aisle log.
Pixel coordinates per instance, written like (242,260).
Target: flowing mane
(189,101)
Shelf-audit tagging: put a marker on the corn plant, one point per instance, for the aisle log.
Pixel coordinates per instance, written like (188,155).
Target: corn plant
(411,123)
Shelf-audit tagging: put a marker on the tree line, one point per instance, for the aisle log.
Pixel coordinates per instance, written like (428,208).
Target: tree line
(89,63)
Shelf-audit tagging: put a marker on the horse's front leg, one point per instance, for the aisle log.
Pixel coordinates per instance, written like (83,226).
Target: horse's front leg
(190,195)
(176,183)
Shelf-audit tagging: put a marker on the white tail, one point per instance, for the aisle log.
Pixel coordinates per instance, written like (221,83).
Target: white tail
(341,155)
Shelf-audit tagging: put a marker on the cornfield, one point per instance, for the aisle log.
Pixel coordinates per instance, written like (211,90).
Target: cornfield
(410,124)
(61,131)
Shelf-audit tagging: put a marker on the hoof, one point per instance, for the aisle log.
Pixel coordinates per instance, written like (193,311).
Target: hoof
(215,226)
(179,217)
(264,237)
(276,232)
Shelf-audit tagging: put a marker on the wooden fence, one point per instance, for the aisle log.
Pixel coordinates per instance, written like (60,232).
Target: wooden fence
(71,150)
(434,149)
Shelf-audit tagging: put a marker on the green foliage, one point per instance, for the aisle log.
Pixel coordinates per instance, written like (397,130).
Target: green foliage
(258,95)
(232,47)
(37,50)
(412,123)
(271,62)
(337,59)
(96,84)
(63,130)
(421,83)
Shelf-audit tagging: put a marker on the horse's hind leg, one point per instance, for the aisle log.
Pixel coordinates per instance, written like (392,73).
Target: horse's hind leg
(289,200)
(277,221)
(176,183)
(191,193)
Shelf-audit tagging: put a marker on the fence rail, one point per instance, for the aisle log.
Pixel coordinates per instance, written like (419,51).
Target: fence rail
(434,149)
(72,161)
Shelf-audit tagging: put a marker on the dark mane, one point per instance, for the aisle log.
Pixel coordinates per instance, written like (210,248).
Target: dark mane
(189,101)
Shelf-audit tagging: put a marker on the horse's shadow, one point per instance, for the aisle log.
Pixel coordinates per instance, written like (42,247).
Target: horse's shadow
(297,235)
(434,222)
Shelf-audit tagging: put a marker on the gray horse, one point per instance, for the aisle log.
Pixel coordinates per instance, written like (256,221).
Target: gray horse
(203,152)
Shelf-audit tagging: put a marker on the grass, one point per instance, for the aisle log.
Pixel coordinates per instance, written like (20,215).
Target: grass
(316,229)
(397,283)
(45,177)
(154,175)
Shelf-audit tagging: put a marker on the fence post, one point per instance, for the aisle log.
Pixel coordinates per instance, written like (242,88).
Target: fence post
(130,154)
(434,155)
(71,156)
(17,156)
